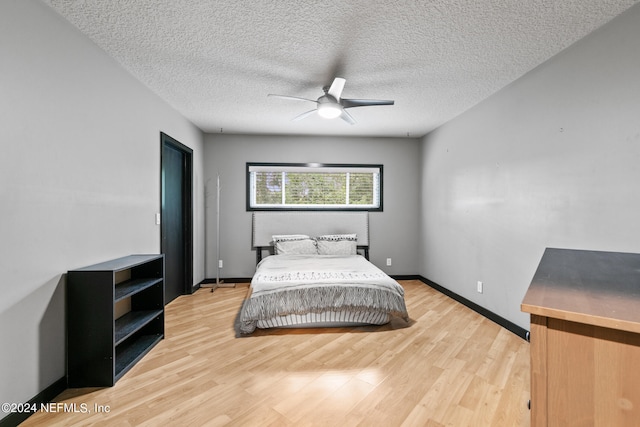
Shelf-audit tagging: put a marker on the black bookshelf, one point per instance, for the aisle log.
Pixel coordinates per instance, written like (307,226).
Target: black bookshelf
(100,347)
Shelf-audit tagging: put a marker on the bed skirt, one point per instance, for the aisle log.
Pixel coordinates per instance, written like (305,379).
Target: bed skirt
(326,319)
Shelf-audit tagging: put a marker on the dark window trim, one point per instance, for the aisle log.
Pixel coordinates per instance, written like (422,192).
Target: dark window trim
(315,165)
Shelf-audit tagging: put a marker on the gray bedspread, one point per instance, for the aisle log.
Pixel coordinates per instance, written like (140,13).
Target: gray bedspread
(302,284)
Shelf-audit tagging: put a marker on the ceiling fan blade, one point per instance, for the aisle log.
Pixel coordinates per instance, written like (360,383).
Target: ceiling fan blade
(295,98)
(303,115)
(336,88)
(347,117)
(350,103)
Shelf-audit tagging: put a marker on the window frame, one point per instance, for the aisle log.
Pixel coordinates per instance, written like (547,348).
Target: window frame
(313,166)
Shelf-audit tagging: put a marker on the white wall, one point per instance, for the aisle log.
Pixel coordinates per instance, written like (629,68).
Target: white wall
(553,160)
(79,181)
(393,232)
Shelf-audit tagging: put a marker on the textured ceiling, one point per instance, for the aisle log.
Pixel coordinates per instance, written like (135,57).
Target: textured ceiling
(216,61)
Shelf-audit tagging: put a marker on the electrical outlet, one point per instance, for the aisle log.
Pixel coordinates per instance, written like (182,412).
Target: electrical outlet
(219,263)
(479,286)
(388,261)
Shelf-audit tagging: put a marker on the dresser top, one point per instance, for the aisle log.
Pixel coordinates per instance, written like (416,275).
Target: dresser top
(591,287)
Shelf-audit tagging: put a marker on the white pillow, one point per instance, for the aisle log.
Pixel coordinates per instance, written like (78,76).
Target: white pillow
(337,244)
(294,244)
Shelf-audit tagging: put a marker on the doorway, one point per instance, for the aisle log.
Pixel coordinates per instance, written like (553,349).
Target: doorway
(176,217)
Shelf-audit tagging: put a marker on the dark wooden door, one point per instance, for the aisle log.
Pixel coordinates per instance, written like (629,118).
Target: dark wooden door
(176,217)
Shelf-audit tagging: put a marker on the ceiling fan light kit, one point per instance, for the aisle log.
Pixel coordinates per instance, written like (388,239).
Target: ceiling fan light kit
(331,105)
(329,110)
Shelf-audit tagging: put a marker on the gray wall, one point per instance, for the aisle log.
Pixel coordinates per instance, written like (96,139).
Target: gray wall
(553,160)
(393,232)
(79,181)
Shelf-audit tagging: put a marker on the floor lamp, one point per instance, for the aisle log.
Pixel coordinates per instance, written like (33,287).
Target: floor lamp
(219,283)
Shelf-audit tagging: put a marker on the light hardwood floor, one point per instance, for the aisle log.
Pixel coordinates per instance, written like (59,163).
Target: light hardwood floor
(448,367)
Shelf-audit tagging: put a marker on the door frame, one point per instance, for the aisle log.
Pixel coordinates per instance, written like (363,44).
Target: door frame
(187,206)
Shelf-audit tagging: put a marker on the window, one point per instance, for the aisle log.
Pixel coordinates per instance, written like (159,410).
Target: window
(304,186)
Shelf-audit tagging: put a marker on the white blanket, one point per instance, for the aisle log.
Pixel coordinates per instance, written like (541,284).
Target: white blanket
(301,284)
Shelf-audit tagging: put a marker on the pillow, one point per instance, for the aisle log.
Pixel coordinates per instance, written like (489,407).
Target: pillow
(294,244)
(337,244)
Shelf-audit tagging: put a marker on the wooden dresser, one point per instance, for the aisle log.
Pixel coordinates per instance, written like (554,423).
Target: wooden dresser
(585,339)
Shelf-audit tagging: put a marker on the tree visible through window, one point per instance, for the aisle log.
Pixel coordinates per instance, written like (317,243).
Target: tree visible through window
(301,186)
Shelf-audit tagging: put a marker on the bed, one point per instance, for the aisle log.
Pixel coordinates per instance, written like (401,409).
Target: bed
(320,277)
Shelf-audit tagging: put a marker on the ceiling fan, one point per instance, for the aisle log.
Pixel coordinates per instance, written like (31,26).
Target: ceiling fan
(331,105)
